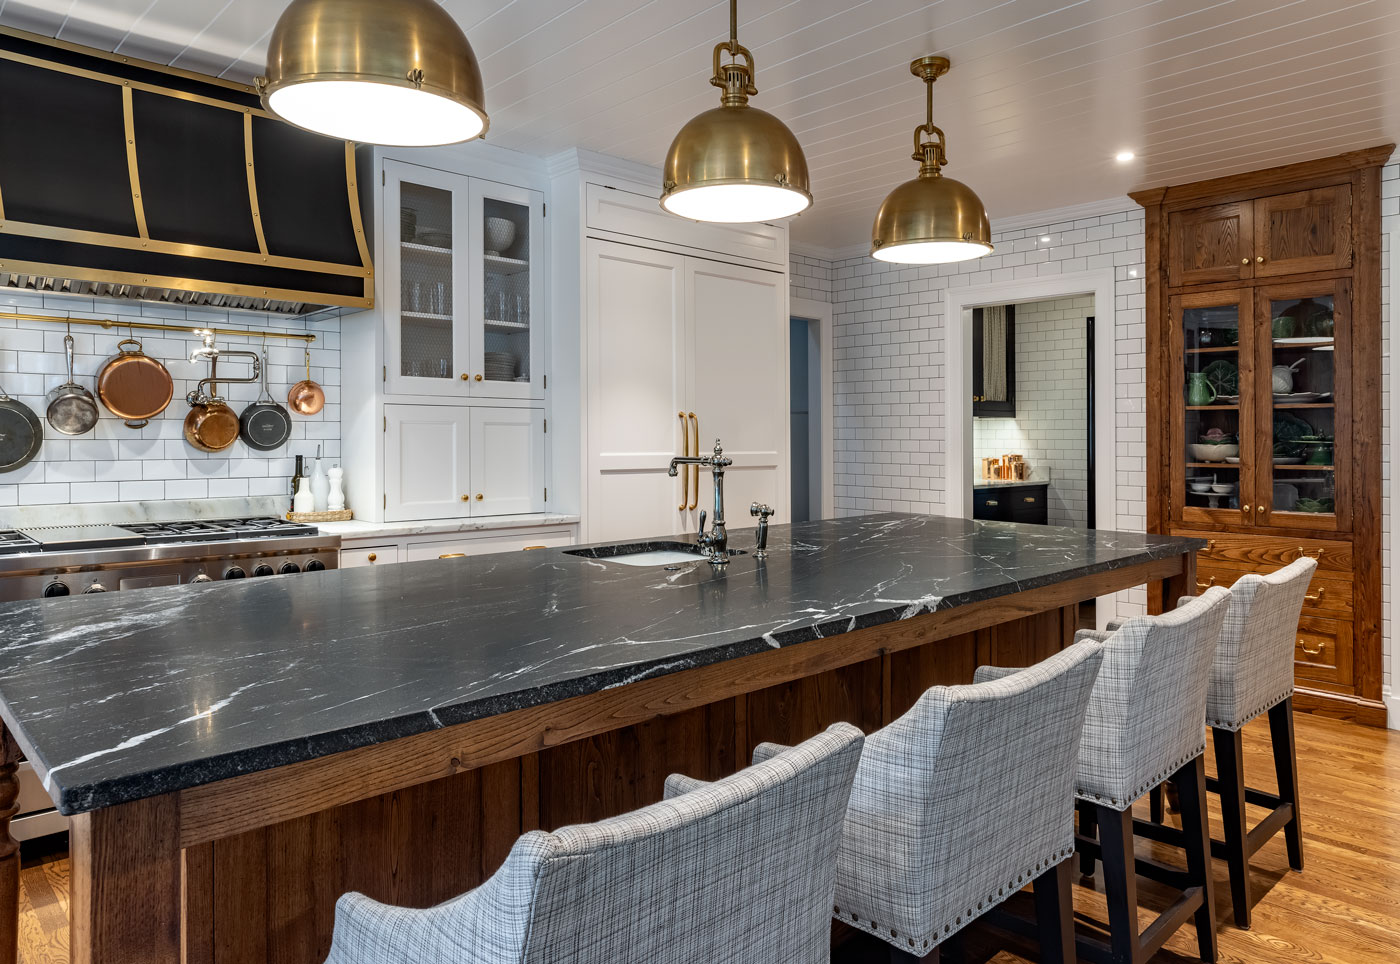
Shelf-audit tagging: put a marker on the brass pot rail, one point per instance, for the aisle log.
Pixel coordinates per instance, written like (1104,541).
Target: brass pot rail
(153,326)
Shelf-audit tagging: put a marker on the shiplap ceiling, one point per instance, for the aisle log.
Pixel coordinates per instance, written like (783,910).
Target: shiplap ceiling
(1041,96)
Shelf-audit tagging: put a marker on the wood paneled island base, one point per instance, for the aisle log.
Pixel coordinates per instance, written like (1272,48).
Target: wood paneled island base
(248,869)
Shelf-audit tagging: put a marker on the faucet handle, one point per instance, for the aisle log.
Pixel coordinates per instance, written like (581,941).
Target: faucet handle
(701,534)
(761,511)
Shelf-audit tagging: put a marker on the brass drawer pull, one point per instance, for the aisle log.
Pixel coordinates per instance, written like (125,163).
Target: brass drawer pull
(452,555)
(1203,586)
(1311,652)
(988,502)
(1303,551)
(528,548)
(372,556)
(1210,545)
(1030,498)
(1317,596)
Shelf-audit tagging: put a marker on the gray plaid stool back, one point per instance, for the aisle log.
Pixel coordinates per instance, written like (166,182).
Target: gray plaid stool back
(730,872)
(1147,716)
(1253,668)
(963,800)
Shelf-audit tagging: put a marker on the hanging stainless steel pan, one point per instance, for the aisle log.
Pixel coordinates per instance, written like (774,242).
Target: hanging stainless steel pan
(21,433)
(72,409)
(265,425)
(134,386)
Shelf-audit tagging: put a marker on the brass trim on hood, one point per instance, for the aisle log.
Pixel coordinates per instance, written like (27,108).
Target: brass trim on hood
(79,273)
(133,171)
(253,183)
(356,220)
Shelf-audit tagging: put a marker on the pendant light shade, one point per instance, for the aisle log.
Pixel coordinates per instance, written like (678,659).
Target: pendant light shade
(932,219)
(735,162)
(399,73)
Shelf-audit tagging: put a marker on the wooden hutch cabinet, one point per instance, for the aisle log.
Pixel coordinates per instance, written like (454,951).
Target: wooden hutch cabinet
(1264,398)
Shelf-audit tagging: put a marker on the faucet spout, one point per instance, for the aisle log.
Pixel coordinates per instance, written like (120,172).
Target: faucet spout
(716,541)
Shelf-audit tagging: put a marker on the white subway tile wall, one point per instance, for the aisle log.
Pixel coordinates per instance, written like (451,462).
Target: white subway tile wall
(114,463)
(890,432)
(1052,407)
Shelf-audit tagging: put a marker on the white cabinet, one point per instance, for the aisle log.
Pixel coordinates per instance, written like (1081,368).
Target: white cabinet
(487,542)
(461,285)
(449,461)
(680,351)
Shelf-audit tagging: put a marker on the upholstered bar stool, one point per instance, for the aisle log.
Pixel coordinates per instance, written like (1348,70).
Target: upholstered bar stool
(1145,725)
(964,800)
(739,870)
(1253,674)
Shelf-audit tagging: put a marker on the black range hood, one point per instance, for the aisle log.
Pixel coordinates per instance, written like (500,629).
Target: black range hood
(124,179)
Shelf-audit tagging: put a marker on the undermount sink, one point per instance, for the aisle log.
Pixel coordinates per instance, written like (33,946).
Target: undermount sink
(646,553)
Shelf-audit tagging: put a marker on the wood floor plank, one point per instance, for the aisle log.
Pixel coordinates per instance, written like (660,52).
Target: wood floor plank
(1343,909)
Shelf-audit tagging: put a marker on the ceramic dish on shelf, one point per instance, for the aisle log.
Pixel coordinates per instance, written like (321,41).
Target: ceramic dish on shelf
(1315,340)
(1223,488)
(499,234)
(1206,452)
(1298,397)
(1233,460)
(434,239)
(1228,399)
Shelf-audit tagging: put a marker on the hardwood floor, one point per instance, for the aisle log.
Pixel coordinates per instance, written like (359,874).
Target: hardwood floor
(1343,909)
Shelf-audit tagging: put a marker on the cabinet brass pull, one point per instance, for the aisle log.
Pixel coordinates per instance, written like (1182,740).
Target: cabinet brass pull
(478,378)
(479,497)
(452,555)
(685,472)
(466,377)
(1245,508)
(1203,586)
(1311,652)
(1317,596)
(466,498)
(1030,498)
(695,450)
(373,556)
(1210,545)
(1260,259)
(1244,261)
(1302,551)
(528,548)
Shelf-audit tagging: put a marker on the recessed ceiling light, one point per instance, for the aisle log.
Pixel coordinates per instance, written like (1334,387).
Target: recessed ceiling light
(1123,157)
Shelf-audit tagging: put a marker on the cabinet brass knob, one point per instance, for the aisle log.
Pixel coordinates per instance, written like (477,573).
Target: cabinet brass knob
(373,556)
(1260,259)
(466,498)
(1245,507)
(478,378)
(1313,651)
(1317,596)
(452,555)
(479,497)
(1244,261)
(466,377)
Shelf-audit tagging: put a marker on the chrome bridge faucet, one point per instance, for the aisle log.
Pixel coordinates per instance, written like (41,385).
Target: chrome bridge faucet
(716,541)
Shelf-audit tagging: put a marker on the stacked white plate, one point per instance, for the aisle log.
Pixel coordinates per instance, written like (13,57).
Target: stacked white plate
(500,366)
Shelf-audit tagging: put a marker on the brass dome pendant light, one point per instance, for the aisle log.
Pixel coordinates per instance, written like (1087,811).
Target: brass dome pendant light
(399,73)
(735,162)
(932,219)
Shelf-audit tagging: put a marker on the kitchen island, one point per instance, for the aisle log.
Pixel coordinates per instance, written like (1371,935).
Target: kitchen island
(234,756)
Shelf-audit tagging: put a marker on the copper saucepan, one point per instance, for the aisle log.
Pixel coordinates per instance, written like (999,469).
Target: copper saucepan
(211,425)
(306,397)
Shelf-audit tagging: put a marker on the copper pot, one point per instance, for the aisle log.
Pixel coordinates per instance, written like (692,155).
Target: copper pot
(134,386)
(306,397)
(211,426)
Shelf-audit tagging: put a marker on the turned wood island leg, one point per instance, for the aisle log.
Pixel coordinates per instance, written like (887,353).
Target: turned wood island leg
(126,896)
(9,849)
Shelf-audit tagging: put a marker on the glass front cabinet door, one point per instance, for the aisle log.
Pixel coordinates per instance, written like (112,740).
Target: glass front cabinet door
(462,285)
(1213,430)
(1302,447)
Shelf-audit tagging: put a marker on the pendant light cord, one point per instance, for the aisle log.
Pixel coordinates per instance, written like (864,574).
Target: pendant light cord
(734,21)
(931,154)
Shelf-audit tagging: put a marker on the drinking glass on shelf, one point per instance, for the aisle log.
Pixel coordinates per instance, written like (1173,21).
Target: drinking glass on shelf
(416,300)
(522,312)
(441,306)
(501,306)
(442,368)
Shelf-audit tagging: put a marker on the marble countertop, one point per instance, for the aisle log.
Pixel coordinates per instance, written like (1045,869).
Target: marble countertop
(1006,483)
(356,530)
(128,695)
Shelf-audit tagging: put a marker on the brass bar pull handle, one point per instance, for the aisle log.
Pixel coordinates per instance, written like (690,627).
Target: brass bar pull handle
(695,446)
(1317,596)
(452,555)
(1303,551)
(1030,498)
(685,473)
(1203,586)
(991,502)
(1311,652)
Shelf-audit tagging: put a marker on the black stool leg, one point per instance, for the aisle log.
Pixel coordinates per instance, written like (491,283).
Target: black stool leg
(1088,827)
(1286,766)
(1054,915)
(1190,782)
(1229,757)
(1159,810)
(1120,882)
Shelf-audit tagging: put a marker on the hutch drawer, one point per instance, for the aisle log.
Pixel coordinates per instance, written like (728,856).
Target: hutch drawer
(1264,554)
(1322,652)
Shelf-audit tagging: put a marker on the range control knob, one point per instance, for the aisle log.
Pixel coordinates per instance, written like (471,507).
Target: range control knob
(289,567)
(263,570)
(235,572)
(95,587)
(55,589)
(315,565)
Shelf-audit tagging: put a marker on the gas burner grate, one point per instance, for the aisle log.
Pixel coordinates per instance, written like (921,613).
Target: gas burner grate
(12,542)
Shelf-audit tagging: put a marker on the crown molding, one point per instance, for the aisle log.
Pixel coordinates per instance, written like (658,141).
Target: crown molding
(1019,222)
(576,160)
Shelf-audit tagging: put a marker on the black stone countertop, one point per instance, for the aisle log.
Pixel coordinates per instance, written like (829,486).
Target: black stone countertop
(127,695)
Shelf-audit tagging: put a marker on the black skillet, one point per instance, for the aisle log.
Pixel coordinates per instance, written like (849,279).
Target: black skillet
(265,425)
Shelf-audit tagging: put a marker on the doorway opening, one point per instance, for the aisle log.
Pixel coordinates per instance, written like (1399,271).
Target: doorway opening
(810,440)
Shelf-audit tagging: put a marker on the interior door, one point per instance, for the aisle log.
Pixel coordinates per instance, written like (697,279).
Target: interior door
(1211,244)
(739,384)
(1303,231)
(635,342)
(507,460)
(426,456)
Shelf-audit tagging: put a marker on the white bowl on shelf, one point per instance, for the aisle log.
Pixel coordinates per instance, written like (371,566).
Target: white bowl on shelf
(499,235)
(1223,488)
(1205,452)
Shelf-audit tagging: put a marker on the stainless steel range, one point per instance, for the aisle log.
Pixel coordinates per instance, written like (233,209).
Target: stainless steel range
(103,557)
